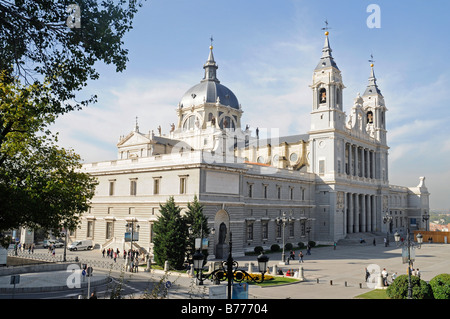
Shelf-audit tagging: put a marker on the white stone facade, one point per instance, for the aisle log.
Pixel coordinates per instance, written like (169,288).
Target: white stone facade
(331,181)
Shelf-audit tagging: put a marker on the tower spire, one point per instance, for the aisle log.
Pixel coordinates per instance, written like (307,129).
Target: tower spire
(372,87)
(210,66)
(327,59)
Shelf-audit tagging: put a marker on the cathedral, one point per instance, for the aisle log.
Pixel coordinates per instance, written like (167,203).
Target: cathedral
(323,185)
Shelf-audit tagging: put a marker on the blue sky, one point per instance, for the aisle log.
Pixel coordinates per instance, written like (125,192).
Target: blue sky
(266,51)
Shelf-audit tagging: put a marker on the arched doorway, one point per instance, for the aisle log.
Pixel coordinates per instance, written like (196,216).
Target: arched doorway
(221,236)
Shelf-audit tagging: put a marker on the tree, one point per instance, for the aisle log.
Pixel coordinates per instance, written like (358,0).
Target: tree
(40,43)
(170,235)
(399,288)
(198,227)
(440,285)
(46,61)
(40,184)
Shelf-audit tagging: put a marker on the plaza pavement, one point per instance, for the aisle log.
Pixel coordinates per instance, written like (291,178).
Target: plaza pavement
(329,273)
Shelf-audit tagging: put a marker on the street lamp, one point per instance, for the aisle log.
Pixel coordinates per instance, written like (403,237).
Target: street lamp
(226,273)
(406,248)
(425,218)
(282,221)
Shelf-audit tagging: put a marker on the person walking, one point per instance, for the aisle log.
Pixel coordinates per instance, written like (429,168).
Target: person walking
(300,257)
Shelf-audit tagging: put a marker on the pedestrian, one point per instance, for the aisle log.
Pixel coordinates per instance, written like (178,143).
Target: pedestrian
(103,252)
(374,242)
(367,274)
(384,274)
(418,273)
(308,249)
(335,243)
(385,242)
(394,276)
(115,257)
(93,295)
(300,257)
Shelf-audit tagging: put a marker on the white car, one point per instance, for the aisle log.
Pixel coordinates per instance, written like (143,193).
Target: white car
(49,242)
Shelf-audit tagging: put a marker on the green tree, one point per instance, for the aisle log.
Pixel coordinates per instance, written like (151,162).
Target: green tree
(197,224)
(399,288)
(41,185)
(170,235)
(39,45)
(45,63)
(440,285)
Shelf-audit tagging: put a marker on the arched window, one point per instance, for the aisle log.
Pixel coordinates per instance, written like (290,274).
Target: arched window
(370,117)
(322,95)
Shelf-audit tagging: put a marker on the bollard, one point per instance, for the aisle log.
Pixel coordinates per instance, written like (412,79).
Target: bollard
(360,285)
(317,280)
(345,284)
(331,282)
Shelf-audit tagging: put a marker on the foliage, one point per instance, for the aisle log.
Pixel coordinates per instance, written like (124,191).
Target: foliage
(301,245)
(312,243)
(41,185)
(170,235)
(275,248)
(197,223)
(288,246)
(399,288)
(258,249)
(44,64)
(38,44)
(440,285)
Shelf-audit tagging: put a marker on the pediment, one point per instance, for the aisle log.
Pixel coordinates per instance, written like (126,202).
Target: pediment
(134,138)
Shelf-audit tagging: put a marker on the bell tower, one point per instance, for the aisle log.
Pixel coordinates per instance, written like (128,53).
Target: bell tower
(327,111)
(375,109)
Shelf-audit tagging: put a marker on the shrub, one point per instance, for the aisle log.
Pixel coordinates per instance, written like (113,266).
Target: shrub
(440,285)
(399,288)
(312,243)
(275,248)
(301,245)
(258,250)
(288,246)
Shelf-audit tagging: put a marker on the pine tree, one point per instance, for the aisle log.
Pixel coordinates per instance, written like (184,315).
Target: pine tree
(197,223)
(170,235)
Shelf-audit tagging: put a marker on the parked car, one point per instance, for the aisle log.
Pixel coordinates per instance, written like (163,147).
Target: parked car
(81,245)
(48,242)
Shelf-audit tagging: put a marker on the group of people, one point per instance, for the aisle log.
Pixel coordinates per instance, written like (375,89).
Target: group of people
(385,275)
(19,246)
(110,253)
(132,254)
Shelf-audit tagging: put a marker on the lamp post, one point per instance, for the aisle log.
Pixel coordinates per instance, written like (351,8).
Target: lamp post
(130,227)
(282,221)
(226,273)
(406,246)
(425,218)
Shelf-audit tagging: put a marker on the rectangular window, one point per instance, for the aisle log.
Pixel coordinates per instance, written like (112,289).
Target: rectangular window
(321,167)
(278,230)
(250,231)
(182,185)
(156,185)
(265,191)
(250,190)
(291,193)
(279,192)
(265,230)
(90,229)
(109,230)
(111,187)
(133,187)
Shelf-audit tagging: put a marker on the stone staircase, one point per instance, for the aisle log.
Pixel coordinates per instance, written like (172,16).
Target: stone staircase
(355,239)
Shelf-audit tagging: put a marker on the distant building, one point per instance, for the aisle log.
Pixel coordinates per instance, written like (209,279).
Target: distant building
(330,182)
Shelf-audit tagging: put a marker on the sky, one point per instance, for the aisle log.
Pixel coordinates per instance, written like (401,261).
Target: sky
(266,51)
